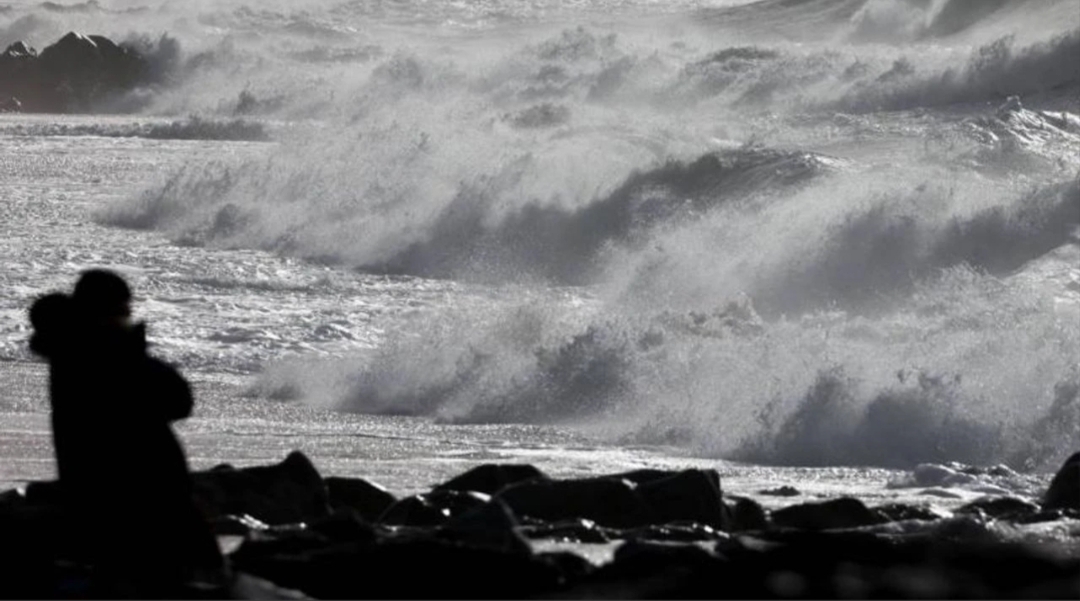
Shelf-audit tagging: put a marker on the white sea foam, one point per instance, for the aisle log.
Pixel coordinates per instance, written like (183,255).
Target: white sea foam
(773,231)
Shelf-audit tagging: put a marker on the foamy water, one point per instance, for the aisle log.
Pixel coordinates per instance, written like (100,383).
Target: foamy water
(828,233)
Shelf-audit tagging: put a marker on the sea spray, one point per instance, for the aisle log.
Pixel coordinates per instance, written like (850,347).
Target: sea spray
(786,249)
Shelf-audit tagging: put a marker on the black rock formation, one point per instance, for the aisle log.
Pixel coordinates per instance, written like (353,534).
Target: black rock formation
(78,73)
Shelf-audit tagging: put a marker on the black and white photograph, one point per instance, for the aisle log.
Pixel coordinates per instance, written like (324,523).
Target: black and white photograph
(539,299)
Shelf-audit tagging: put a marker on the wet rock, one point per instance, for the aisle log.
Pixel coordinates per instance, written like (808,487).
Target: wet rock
(235,525)
(366,498)
(845,512)
(626,500)
(746,514)
(1064,491)
(612,502)
(289,492)
(578,531)
(783,491)
(684,532)
(689,495)
(491,525)
(432,509)
(490,478)
(898,512)
(999,508)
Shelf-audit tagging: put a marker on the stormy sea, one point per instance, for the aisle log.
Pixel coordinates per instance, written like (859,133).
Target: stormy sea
(828,245)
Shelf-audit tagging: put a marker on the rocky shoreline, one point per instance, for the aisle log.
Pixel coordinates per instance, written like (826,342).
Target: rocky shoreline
(675,534)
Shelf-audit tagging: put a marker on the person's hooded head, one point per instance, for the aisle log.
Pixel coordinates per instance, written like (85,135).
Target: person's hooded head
(103,297)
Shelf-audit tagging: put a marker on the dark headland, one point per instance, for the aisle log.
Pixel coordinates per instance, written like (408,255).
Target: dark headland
(77,74)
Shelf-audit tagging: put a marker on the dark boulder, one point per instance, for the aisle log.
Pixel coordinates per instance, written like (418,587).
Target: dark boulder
(289,492)
(431,509)
(1064,491)
(612,502)
(490,478)
(626,500)
(366,498)
(491,524)
(846,512)
(686,496)
(745,514)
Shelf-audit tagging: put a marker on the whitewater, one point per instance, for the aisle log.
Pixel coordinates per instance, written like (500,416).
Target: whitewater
(813,243)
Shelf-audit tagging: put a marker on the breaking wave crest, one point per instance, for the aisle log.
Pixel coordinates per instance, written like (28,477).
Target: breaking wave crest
(974,369)
(814,252)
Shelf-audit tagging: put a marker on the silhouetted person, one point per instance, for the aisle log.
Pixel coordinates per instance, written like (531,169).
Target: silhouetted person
(122,470)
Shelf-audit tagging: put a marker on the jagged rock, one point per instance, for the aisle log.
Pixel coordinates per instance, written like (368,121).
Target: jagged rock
(19,50)
(366,498)
(10,105)
(490,478)
(71,51)
(432,509)
(845,512)
(289,492)
(1064,491)
(76,73)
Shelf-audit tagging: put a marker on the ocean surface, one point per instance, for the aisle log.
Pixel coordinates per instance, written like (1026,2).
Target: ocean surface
(815,243)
